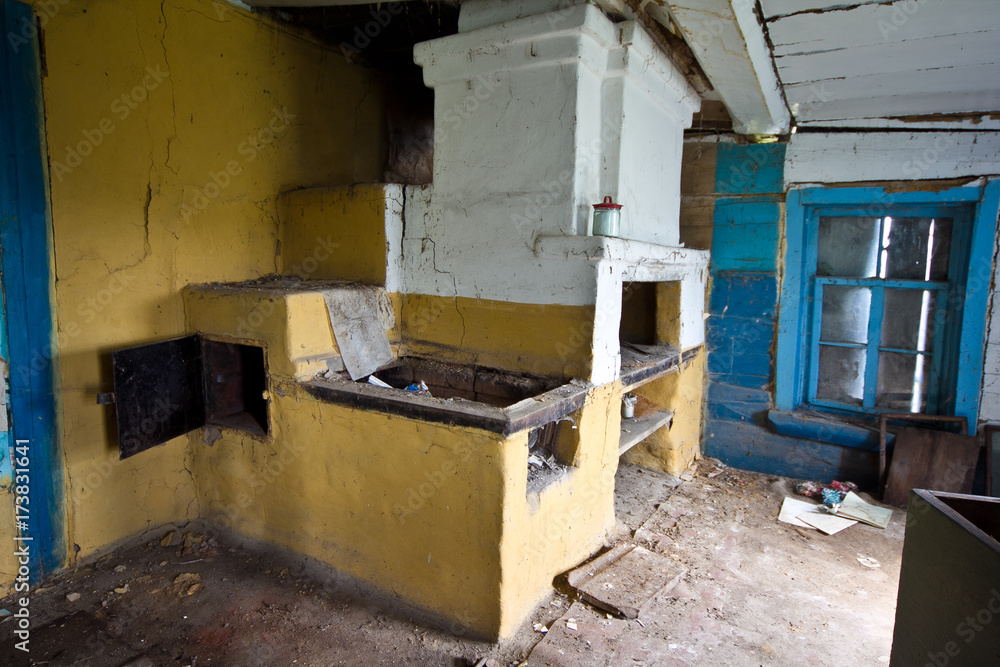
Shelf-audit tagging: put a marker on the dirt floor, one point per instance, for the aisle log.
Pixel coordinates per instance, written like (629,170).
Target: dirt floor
(756,592)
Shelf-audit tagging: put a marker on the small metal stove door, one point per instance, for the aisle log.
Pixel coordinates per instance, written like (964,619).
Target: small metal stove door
(159,393)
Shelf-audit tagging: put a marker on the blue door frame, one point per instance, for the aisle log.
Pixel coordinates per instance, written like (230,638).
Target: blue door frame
(26,259)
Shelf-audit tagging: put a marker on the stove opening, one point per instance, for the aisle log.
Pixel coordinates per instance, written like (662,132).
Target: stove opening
(553,449)
(650,313)
(235,386)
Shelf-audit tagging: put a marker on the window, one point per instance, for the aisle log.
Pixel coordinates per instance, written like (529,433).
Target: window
(880,311)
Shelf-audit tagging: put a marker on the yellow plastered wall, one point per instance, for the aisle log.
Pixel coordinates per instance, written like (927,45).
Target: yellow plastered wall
(435,514)
(293,324)
(568,520)
(172,127)
(549,339)
(673,450)
(337,233)
(414,508)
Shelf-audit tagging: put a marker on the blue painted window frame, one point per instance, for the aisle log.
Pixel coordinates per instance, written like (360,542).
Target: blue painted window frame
(26,257)
(798,287)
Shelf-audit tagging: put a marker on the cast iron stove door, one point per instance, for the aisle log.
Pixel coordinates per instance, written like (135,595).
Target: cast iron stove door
(159,393)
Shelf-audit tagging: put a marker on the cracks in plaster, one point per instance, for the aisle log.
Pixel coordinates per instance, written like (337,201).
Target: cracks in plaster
(173,98)
(454,282)
(147,250)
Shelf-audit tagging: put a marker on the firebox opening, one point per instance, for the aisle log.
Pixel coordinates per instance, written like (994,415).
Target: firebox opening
(235,386)
(650,314)
(553,449)
(638,323)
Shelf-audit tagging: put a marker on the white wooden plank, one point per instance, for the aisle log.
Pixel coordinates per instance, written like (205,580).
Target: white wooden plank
(845,157)
(772,8)
(981,123)
(820,107)
(915,54)
(943,81)
(878,24)
(729,43)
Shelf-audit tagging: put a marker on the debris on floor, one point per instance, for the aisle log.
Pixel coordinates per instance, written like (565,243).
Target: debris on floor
(853,507)
(830,524)
(751,595)
(831,517)
(626,579)
(868,562)
(756,592)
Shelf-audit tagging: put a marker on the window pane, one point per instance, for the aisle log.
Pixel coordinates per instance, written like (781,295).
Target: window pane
(908,319)
(841,374)
(901,377)
(848,247)
(916,248)
(845,314)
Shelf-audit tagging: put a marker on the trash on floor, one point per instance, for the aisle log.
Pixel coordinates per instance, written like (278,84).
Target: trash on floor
(853,507)
(815,490)
(792,508)
(808,515)
(186,583)
(626,579)
(830,524)
(831,518)
(378,383)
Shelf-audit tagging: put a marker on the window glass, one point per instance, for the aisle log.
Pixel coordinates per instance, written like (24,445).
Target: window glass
(848,246)
(841,374)
(908,319)
(916,248)
(845,314)
(903,380)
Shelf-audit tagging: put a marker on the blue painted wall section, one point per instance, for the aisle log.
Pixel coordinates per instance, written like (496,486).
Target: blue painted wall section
(27,284)
(741,328)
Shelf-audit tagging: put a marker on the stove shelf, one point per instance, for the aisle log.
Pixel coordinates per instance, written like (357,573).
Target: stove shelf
(641,427)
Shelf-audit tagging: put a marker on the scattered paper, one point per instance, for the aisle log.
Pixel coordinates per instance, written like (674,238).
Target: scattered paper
(378,383)
(826,523)
(810,515)
(792,507)
(869,562)
(854,507)
(538,627)
(571,623)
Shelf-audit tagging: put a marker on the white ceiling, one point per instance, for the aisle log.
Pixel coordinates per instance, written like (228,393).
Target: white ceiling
(872,63)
